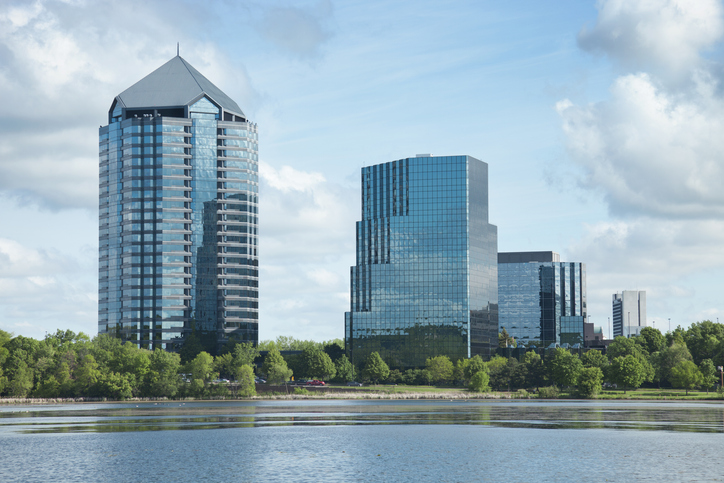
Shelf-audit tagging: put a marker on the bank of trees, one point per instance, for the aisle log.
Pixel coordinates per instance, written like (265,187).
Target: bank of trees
(685,359)
(66,364)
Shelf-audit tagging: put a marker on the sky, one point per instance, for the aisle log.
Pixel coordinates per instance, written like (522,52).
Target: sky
(602,123)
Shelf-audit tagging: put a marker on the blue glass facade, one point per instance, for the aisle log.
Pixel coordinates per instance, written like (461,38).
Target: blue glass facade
(542,302)
(425,279)
(178,219)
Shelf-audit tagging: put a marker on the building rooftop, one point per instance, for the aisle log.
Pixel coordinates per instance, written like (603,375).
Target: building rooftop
(528,257)
(176,83)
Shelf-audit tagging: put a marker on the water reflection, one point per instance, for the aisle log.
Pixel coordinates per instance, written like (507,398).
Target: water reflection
(131,417)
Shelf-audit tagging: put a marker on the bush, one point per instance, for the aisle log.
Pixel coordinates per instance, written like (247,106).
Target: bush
(480,382)
(549,392)
(300,391)
(589,382)
(522,394)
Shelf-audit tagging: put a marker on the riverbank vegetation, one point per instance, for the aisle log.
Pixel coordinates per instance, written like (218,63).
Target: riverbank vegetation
(680,364)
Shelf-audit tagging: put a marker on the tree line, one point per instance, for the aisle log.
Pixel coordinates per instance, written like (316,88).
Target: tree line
(66,364)
(685,359)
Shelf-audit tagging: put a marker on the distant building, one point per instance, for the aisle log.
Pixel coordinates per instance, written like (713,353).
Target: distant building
(425,280)
(178,213)
(629,313)
(541,299)
(593,336)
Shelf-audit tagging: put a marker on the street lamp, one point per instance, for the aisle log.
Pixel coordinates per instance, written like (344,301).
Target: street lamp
(669,324)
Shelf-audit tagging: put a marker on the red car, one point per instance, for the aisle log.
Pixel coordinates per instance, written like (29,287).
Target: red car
(316,382)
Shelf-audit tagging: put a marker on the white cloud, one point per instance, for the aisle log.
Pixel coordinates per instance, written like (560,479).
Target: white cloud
(59,72)
(654,150)
(41,290)
(670,260)
(651,151)
(307,245)
(300,32)
(659,36)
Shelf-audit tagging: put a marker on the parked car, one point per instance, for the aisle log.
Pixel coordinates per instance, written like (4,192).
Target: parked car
(316,382)
(354,383)
(259,380)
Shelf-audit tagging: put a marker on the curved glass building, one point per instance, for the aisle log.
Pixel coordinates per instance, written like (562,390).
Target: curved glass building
(426,278)
(178,213)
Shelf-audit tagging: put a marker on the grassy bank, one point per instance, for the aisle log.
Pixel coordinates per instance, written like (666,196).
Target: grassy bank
(407,392)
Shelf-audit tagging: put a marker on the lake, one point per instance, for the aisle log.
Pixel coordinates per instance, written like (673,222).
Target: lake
(363,440)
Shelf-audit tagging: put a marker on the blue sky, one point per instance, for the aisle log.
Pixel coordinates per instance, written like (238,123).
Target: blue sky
(600,122)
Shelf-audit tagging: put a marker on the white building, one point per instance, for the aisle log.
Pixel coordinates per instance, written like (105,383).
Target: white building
(629,313)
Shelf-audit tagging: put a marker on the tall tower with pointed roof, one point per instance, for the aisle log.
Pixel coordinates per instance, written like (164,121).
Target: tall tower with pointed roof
(178,223)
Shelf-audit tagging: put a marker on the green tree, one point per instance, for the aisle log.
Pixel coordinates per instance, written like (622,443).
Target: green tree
(676,336)
(703,340)
(708,374)
(20,377)
(475,364)
(191,348)
(245,378)
(651,339)
(278,373)
(666,359)
(375,369)
(628,372)
(595,358)
(589,382)
(114,385)
(334,349)
(48,388)
(497,369)
(480,382)
(245,354)
(345,370)
(459,369)
(275,367)
(624,346)
(86,376)
(686,375)
(163,378)
(505,339)
(564,367)
(224,365)
(202,368)
(317,363)
(535,370)
(441,369)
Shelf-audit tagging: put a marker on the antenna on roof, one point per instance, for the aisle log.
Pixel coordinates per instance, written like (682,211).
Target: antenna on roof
(177,49)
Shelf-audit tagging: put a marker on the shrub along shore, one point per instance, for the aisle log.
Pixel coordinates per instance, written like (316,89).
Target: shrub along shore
(67,367)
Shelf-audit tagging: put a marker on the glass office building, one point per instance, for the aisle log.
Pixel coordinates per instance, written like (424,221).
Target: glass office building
(425,281)
(542,300)
(178,213)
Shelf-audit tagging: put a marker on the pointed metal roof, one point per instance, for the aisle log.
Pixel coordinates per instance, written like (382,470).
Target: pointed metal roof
(176,83)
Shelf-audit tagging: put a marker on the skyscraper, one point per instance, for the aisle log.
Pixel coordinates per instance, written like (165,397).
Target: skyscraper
(542,300)
(629,312)
(178,213)
(425,282)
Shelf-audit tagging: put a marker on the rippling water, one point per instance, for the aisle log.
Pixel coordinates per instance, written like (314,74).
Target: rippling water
(363,441)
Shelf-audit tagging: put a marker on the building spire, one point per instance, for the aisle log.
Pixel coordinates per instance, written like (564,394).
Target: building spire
(177,49)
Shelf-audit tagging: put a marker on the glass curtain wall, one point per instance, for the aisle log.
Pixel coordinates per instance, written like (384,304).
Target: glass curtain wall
(178,227)
(543,303)
(425,281)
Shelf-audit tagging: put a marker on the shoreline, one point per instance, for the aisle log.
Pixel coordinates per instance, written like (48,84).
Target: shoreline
(359,395)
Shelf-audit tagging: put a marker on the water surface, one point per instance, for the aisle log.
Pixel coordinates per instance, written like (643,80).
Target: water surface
(360,440)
